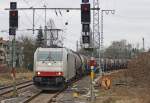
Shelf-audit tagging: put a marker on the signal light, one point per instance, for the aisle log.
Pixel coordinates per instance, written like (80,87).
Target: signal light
(13,15)
(85,13)
(13,19)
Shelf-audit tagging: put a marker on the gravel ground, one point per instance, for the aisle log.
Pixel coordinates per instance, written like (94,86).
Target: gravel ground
(81,87)
(23,94)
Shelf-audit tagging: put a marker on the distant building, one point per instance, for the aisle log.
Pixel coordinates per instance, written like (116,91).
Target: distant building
(5,53)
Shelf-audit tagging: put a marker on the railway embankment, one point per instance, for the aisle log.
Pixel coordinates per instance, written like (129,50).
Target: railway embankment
(6,79)
(139,70)
(131,85)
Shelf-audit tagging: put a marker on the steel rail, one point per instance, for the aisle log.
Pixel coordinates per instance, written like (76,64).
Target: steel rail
(11,88)
(5,87)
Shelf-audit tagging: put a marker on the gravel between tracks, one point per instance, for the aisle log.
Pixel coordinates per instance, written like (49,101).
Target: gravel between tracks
(44,97)
(81,87)
(23,93)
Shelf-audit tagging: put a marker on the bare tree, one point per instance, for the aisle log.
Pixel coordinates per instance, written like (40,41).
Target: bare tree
(29,47)
(40,38)
(53,34)
(118,49)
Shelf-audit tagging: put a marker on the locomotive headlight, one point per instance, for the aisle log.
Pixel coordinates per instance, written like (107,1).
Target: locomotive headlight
(49,64)
(38,73)
(59,73)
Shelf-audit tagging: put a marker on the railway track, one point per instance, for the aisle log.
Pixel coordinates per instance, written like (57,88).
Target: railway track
(43,97)
(47,97)
(5,87)
(9,89)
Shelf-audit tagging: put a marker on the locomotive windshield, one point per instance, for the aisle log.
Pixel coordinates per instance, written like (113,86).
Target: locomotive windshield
(49,56)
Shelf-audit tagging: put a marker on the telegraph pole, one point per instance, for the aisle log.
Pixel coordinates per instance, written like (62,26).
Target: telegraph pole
(143,44)
(77,47)
(33,20)
(45,30)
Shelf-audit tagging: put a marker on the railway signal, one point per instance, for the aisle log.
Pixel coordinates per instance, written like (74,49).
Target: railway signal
(13,25)
(85,21)
(13,18)
(13,15)
(85,13)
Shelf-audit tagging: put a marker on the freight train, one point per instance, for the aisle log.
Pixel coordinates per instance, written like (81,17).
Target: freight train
(114,64)
(54,67)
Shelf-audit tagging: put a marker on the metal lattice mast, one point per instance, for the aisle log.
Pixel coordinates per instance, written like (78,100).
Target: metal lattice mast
(102,26)
(102,23)
(96,31)
(102,33)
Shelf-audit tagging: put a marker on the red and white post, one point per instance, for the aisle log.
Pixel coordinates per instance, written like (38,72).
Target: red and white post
(92,64)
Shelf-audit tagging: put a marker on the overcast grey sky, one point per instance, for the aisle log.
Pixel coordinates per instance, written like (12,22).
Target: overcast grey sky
(131,20)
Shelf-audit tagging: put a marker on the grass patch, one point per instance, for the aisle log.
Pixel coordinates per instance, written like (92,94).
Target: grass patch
(21,74)
(22,70)
(5,78)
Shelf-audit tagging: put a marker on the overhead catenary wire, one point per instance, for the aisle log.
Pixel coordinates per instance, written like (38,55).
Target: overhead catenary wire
(131,17)
(39,16)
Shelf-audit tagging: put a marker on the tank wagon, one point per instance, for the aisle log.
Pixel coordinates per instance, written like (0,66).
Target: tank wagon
(113,64)
(54,67)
